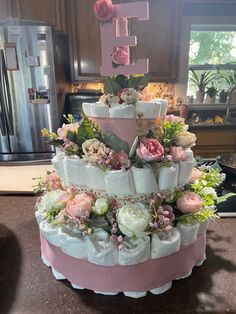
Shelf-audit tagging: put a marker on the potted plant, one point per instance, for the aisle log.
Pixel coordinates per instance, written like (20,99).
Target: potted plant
(223,96)
(201,81)
(211,95)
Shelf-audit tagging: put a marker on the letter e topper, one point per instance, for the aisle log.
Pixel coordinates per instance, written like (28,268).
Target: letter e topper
(115,41)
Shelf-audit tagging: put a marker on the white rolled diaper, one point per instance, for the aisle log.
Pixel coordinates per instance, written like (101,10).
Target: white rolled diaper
(50,232)
(135,251)
(122,111)
(58,164)
(95,177)
(100,110)
(72,243)
(75,170)
(119,182)
(164,247)
(144,180)
(87,108)
(101,250)
(188,233)
(185,171)
(189,154)
(167,177)
(164,105)
(149,109)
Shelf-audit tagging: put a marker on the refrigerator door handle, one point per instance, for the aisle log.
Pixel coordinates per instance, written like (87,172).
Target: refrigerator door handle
(6,96)
(2,107)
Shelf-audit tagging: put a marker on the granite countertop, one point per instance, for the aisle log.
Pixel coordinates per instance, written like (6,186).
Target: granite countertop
(28,286)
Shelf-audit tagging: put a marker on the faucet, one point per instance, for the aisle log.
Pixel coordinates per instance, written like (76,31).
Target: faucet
(232,91)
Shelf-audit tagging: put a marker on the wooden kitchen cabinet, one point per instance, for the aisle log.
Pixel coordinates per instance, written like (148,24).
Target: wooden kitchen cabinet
(213,143)
(52,12)
(158,39)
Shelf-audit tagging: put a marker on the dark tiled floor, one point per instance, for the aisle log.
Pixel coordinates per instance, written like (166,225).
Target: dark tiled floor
(27,286)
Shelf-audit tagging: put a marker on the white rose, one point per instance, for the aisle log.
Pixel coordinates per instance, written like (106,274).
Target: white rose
(51,199)
(209,191)
(133,219)
(101,206)
(93,150)
(185,139)
(130,96)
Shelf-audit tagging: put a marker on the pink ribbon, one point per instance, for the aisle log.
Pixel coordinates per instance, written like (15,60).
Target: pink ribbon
(140,277)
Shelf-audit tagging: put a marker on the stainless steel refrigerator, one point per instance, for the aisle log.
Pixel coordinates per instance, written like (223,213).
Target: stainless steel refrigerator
(34,79)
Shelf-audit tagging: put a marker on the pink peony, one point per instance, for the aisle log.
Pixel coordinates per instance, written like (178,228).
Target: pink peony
(168,212)
(123,159)
(104,10)
(196,174)
(173,118)
(178,153)
(150,150)
(80,206)
(120,56)
(189,202)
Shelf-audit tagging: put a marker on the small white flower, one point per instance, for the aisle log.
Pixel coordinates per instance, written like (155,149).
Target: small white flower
(209,191)
(101,206)
(51,199)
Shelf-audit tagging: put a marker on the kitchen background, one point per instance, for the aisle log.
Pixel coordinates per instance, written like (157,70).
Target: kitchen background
(164,39)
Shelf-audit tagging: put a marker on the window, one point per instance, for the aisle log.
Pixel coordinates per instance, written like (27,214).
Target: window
(212,49)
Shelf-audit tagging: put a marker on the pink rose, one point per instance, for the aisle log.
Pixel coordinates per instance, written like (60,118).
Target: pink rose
(104,10)
(80,206)
(120,56)
(189,202)
(168,212)
(150,150)
(178,153)
(173,118)
(52,182)
(196,174)
(123,159)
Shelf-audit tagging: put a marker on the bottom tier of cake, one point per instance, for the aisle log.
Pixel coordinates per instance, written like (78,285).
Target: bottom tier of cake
(134,281)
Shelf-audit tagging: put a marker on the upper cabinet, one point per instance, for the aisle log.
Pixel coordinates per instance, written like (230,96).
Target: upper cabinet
(158,39)
(84,39)
(52,12)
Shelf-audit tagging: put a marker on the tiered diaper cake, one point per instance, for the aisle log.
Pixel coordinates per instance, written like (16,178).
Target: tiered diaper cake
(125,210)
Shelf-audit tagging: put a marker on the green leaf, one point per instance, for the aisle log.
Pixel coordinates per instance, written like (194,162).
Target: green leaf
(111,86)
(85,132)
(138,82)
(115,65)
(114,142)
(122,80)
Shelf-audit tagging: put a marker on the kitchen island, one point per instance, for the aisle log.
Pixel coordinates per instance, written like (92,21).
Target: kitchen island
(28,286)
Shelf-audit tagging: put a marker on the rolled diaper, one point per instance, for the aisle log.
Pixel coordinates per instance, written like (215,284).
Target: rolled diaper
(144,180)
(58,164)
(72,243)
(50,232)
(167,177)
(189,154)
(149,109)
(101,250)
(164,105)
(100,110)
(135,251)
(87,108)
(188,233)
(164,247)
(122,111)
(185,171)
(95,177)
(203,227)
(75,170)
(39,215)
(114,104)
(119,182)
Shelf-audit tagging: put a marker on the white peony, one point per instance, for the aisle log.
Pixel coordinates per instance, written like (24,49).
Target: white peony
(133,219)
(209,191)
(185,139)
(51,199)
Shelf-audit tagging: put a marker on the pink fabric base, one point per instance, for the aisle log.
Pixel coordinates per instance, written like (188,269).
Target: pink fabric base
(126,129)
(141,277)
